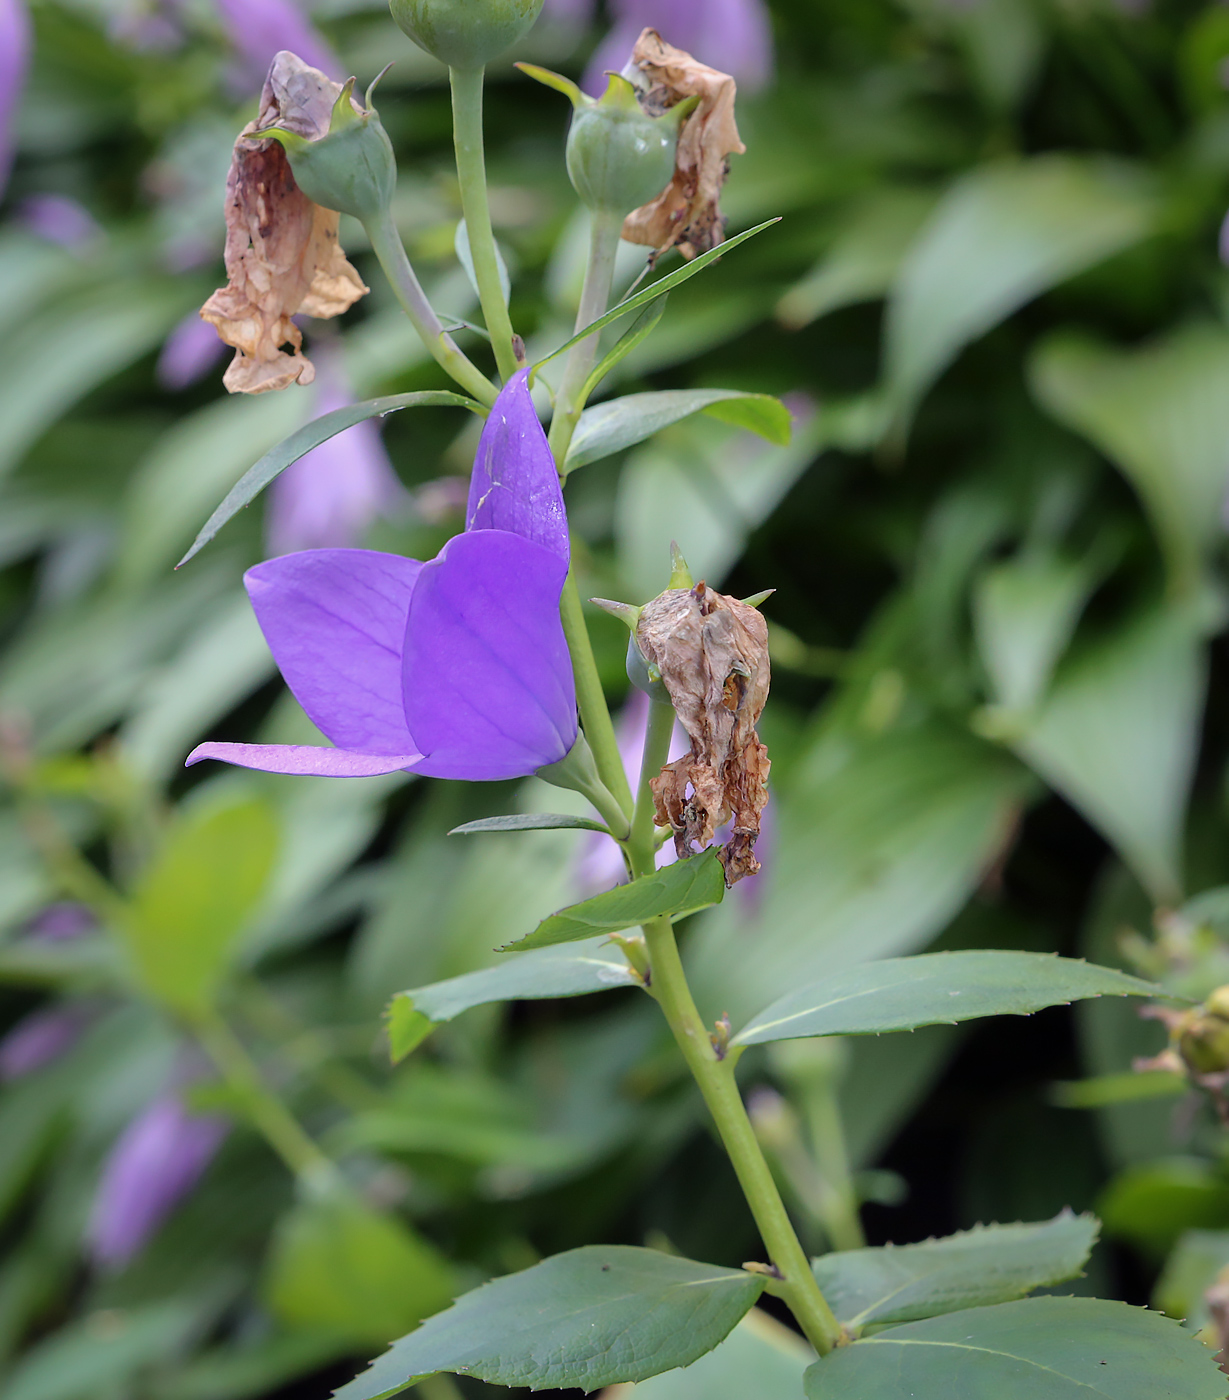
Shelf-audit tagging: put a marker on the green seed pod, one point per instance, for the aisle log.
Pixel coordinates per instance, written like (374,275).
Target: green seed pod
(465,33)
(1203,1043)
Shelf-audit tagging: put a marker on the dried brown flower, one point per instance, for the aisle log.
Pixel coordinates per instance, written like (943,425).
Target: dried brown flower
(712,653)
(282,253)
(686,212)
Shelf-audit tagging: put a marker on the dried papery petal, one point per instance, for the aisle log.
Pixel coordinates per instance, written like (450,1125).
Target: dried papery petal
(712,653)
(282,253)
(686,213)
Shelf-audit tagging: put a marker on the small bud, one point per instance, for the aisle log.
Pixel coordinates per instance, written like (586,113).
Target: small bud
(465,33)
(618,156)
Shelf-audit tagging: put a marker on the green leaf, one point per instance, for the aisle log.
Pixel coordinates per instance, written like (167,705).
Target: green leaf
(759,1360)
(413,1015)
(465,257)
(528,821)
(998,238)
(609,427)
(987,1264)
(1161,415)
(339,1266)
(1189,1272)
(319,430)
(198,896)
(1128,1087)
(900,994)
(1151,1203)
(656,289)
(588,1318)
(639,331)
(678,889)
(1035,1349)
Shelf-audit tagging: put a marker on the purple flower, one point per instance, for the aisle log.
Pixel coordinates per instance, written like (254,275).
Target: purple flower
(59,219)
(259,29)
(39,1038)
(456,668)
(62,922)
(15,39)
(330,497)
(733,36)
(188,353)
(155,1162)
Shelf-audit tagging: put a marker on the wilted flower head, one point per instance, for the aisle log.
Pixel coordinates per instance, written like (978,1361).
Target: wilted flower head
(282,254)
(37,1039)
(733,35)
(686,214)
(155,1162)
(330,496)
(456,668)
(260,29)
(14,61)
(711,652)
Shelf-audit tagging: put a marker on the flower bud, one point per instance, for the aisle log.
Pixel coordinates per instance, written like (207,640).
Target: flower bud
(1203,1042)
(618,156)
(351,168)
(465,33)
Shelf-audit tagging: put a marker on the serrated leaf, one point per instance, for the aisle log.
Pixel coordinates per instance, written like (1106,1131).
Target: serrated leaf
(597,967)
(678,889)
(609,427)
(591,1317)
(312,434)
(1035,1349)
(528,821)
(987,1264)
(900,994)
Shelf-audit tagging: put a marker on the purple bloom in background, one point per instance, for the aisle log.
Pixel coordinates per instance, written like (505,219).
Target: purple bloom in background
(15,41)
(62,922)
(259,29)
(733,36)
(59,219)
(577,13)
(330,496)
(39,1038)
(155,1162)
(456,668)
(189,353)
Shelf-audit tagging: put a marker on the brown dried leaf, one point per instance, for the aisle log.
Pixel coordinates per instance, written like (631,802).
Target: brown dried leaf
(686,212)
(712,653)
(282,253)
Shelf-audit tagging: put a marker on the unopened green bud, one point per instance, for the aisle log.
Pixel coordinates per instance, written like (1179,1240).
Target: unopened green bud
(465,33)
(618,156)
(352,168)
(1203,1042)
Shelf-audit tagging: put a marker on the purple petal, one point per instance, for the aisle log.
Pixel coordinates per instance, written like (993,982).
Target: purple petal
(259,29)
(189,353)
(335,621)
(39,1038)
(155,1162)
(15,39)
(488,680)
(59,219)
(62,922)
(305,760)
(515,486)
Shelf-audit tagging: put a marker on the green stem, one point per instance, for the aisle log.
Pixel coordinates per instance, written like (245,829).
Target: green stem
(591,698)
(594,298)
(268,1113)
(717,1084)
(388,248)
(642,846)
(471,173)
(840,1206)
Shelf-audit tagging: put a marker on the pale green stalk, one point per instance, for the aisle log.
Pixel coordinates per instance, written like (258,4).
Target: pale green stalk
(388,248)
(471,174)
(840,1206)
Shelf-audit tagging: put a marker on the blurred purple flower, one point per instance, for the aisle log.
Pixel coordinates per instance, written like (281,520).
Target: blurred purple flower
(1223,241)
(572,12)
(15,43)
(259,29)
(456,668)
(329,498)
(148,26)
(154,1164)
(188,353)
(733,36)
(39,1038)
(62,922)
(59,219)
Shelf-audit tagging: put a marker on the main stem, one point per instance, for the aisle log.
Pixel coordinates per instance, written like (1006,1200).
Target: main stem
(471,173)
(388,248)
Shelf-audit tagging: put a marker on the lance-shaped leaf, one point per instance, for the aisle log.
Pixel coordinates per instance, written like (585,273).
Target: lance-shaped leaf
(528,821)
(636,334)
(588,1318)
(594,967)
(679,889)
(609,427)
(900,994)
(1035,1349)
(988,1264)
(312,434)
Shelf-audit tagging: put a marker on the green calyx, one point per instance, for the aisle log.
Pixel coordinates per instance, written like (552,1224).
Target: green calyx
(618,156)
(352,168)
(465,34)
(640,671)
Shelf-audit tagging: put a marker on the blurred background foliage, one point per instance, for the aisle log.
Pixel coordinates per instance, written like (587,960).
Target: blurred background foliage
(996,307)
